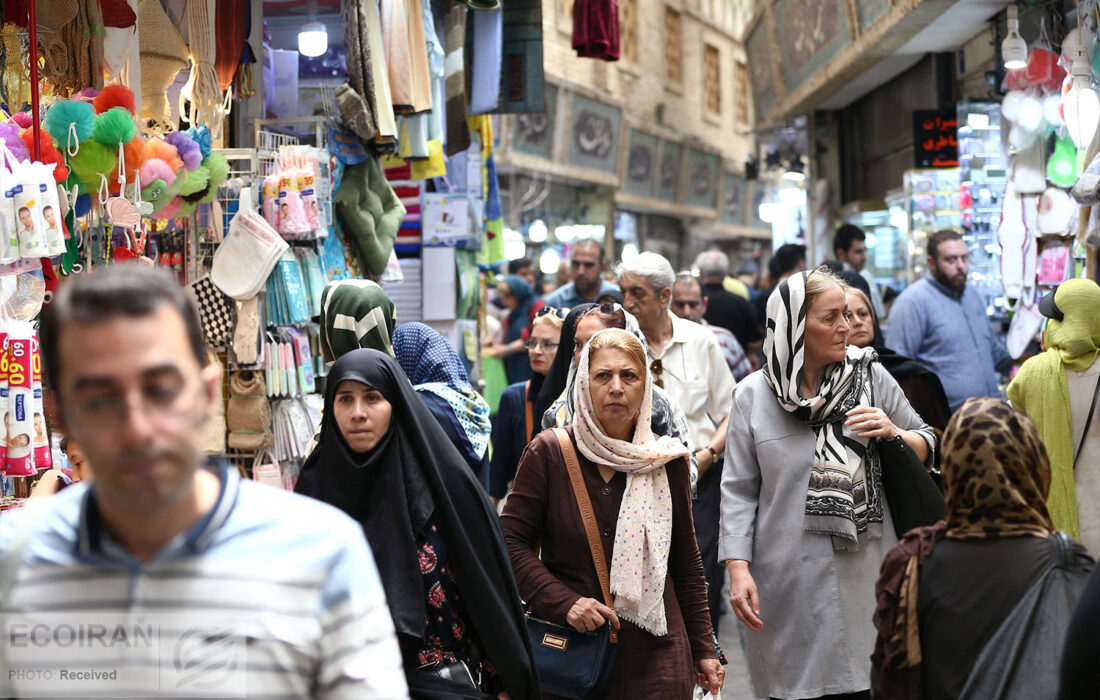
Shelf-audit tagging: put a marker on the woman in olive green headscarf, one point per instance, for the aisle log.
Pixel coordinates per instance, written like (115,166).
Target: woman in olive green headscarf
(1056,390)
(356,314)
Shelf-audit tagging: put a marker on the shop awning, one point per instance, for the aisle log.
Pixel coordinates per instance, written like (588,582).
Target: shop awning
(806,55)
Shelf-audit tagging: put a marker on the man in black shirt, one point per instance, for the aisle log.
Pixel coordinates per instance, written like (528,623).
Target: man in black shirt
(726,309)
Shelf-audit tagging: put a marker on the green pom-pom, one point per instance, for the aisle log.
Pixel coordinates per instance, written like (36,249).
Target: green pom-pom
(114,126)
(194,181)
(65,113)
(93,159)
(219,171)
(154,193)
(187,209)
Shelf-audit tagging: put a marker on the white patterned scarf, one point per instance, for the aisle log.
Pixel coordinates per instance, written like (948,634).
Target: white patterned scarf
(844,494)
(643,531)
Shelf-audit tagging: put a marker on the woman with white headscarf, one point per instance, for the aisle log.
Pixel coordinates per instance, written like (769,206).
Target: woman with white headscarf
(639,487)
(805,523)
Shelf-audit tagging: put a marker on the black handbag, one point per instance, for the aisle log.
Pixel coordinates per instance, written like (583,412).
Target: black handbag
(571,663)
(914,498)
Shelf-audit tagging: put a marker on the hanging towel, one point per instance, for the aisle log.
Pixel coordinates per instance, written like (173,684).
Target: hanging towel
(484,36)
(454,30)
(406,55)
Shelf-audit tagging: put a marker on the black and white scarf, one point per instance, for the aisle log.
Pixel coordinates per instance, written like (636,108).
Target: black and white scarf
(843,496)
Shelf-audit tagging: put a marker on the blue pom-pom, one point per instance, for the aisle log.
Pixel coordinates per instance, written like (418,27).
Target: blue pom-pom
(201,135)
(65,113)
(83,205)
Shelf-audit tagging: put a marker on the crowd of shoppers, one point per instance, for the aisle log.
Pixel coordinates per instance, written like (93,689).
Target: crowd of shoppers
(709,438)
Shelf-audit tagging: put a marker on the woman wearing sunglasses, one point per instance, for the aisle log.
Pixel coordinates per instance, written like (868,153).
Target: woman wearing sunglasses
(515,422)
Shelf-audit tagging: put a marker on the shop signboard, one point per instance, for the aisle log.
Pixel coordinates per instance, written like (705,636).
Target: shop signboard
(533,134)
(449,221)
(809,34)
(593,135)
(871,10)
(731,208)
(701,188)
(641,163)
(935,138)
(668,171)
(760,69)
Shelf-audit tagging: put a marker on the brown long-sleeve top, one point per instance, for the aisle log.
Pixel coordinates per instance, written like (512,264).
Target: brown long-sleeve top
(542,506)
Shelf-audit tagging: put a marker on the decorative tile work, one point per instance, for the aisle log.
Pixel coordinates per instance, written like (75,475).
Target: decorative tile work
(641,164)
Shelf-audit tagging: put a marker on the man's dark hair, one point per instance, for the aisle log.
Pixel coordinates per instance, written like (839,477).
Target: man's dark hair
(128,290)
(65,444)
(514,266)
(785,260)
(590,242)
(845,236)
(939,237)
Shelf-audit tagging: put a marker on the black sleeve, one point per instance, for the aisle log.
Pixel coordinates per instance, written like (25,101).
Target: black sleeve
(1080,672)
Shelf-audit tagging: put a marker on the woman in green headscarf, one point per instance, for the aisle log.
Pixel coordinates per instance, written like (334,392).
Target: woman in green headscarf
(1057,389)
(356,314)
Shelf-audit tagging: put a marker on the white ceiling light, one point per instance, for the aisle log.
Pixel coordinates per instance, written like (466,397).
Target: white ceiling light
(565,234)
(1081,107)
(537,231)
(312,37)
(1014,48)
(770,212)
(549,262)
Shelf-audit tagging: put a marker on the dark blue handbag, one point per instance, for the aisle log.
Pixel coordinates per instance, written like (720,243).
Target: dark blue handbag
(572,663)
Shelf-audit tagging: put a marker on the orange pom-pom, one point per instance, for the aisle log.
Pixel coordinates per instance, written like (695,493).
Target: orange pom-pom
(50,154)
(135,154)
(159,148)
(114,96)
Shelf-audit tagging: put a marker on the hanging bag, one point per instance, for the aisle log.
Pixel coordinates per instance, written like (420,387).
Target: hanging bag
(914,498)
(248,416)
(571,663)
(266,470)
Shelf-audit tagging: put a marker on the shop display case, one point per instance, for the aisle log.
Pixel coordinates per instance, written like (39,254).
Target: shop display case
(886,240)
(983,174)
(932,204)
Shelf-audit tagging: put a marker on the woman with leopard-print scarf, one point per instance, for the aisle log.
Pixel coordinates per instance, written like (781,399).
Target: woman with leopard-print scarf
(945,590)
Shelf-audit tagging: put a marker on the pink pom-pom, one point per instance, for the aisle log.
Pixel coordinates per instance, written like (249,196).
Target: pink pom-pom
(156,169)
(23,119)
(85,95)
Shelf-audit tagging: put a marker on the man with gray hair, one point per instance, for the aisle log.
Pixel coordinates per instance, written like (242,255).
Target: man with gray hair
(686,361)
(726,309)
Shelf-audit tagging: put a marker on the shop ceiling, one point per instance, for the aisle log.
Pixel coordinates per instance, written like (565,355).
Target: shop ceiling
(830,64)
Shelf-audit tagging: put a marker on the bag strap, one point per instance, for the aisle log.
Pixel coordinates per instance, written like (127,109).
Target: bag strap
(529,411)
(1088,423)
(588,517)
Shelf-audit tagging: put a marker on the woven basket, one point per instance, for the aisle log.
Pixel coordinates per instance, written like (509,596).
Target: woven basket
(163,55)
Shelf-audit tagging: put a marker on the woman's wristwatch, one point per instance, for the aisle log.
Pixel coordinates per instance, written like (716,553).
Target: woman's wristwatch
(713,453)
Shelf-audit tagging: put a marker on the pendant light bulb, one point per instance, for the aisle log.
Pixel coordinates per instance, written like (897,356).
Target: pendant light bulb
(1081,107)
(1014,48)
(312,39)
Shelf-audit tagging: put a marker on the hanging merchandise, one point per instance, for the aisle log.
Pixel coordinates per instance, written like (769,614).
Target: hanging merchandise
(246,257)
(454,39)
(596,29)
(1086,190)
(248,416)
(370,213)
(217,312)
(406,55)
(163,55)
(1057,212)
(19,347)
(484,37)
(1062,166)
(365,101)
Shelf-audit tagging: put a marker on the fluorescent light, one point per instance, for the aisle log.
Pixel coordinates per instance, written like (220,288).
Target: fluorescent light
(312,39)
(1081,107)
(1014,48)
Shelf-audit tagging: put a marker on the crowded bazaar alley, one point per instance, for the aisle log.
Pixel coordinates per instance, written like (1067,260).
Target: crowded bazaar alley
(550,349)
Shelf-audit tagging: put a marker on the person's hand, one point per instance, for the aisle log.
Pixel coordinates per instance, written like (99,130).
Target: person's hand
(710,675)
(588,614)
(871,422)
(504,695)
(744,598)
(492,351)
(704,459)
